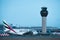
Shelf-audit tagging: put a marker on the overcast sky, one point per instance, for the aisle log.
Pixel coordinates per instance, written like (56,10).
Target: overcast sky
(27,12)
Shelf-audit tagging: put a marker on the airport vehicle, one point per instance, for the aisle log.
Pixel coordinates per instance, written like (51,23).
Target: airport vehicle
(56,33)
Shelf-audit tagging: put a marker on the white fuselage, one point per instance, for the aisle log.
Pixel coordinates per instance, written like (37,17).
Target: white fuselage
(21,31)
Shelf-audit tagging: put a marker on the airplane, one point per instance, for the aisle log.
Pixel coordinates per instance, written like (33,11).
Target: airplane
(10,30)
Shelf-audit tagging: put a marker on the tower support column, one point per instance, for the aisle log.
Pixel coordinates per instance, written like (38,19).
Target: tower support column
(43,24)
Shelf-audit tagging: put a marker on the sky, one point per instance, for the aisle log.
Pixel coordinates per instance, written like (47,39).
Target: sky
(27,12)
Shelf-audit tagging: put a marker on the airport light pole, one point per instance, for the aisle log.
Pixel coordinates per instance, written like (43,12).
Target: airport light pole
(44,14)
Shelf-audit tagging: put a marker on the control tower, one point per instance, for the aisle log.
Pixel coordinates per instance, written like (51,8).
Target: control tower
(44,14)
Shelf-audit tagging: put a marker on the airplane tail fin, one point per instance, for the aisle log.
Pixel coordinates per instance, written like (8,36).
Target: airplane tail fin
(7,26)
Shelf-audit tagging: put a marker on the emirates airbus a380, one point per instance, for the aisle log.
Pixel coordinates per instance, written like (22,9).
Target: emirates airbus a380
(9,29)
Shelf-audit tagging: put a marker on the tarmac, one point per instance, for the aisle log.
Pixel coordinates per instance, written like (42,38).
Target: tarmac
(29,37)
